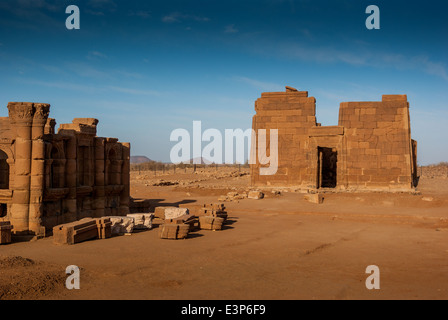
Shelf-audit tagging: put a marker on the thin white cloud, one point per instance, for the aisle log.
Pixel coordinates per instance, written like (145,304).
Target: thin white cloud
(135,91)
(176,17)
(365,58)
(230,29)
(88,88)
(96,55)
(62,85)
(433,68)
(98,7)
(39,4)
(87,71)
(264,86)
(140,13)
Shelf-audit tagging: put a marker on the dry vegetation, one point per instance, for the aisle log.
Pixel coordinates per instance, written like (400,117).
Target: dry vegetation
(439,170)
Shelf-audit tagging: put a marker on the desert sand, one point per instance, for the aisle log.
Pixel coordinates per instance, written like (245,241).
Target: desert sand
(280,247)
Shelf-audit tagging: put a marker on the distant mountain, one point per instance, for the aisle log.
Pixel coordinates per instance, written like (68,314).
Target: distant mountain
(140,159)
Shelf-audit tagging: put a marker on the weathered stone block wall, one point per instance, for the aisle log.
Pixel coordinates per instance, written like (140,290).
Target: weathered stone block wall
(371,148)
(378,143)
(293,114)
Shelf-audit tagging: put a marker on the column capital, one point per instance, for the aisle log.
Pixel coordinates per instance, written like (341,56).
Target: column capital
(41,113)
(21,111)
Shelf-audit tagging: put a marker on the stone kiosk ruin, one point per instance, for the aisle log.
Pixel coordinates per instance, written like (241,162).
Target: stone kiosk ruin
(370,149)
(48,178)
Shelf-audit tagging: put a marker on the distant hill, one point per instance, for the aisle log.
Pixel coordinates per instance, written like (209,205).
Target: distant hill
(140,159)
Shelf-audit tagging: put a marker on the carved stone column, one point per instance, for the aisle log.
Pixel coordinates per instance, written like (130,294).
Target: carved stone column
(37,179)
(21,116)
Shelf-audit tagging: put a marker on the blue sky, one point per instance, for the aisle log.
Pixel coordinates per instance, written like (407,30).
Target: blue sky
(145,68)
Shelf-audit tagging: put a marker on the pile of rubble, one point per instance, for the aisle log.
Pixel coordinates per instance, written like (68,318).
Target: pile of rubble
(235,196)
(178,222)
(100,228)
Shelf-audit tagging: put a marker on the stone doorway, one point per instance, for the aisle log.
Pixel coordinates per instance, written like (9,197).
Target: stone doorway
(3,210)
(327,167)
(4,171)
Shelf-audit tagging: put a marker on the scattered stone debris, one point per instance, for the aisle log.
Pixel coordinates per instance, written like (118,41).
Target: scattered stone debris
(257,195)
(429,199)
(122,225)
(232,196)
(142,221)
(163,183)
(314,198)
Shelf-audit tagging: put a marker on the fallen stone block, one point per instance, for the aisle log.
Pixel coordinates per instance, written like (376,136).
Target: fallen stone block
(314,198)
(215,206)
(122,225)
(159,212)
(173,213)
(194,208)
(215,210)
(257,195)
(5,232)
(192,221)
(211,223)
(223,198)
(142,221)
(104,226)
(75,232)
(174,231)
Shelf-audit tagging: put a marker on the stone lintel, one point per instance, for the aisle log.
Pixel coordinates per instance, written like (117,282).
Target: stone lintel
(326,131)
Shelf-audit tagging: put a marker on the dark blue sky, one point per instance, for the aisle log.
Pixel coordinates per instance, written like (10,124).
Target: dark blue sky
(145,68)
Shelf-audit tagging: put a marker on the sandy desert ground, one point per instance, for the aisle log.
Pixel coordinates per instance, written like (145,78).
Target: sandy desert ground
(281,247)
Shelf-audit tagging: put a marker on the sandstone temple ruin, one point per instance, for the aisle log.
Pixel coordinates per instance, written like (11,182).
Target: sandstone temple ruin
(49,178)
(370,149)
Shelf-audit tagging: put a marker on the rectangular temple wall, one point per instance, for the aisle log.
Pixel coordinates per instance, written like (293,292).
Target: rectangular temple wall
(293,114)
(378,140)
(371,146)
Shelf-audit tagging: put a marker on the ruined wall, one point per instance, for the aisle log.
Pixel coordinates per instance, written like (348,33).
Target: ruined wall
(378,141)
(371,148)
(293,114)
(58,178)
